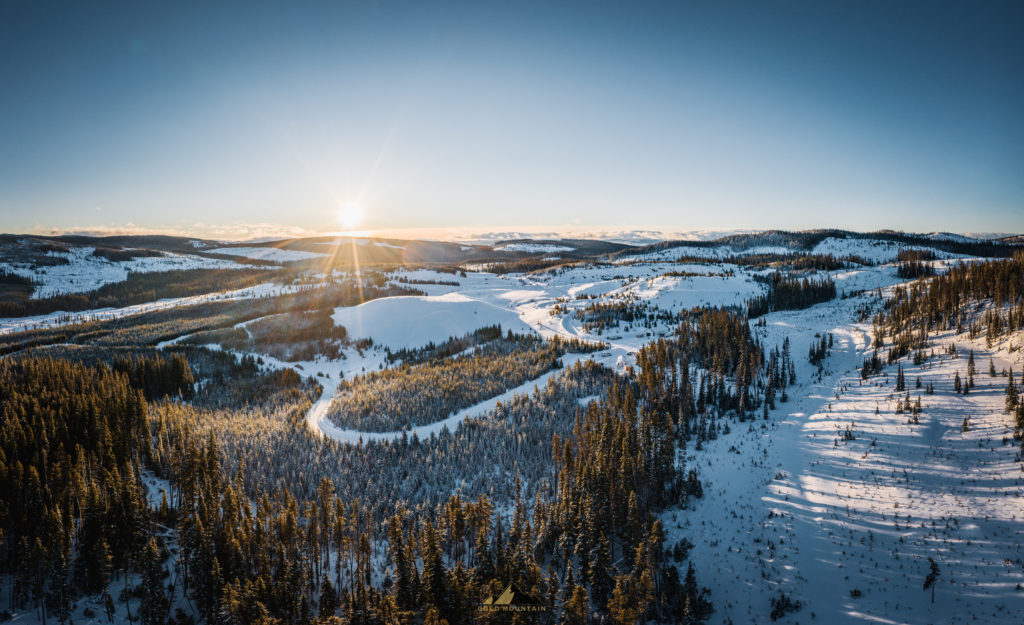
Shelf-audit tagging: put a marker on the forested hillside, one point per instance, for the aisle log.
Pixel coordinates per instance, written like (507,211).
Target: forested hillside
(73,440)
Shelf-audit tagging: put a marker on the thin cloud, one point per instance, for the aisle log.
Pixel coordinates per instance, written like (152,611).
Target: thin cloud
(220,232)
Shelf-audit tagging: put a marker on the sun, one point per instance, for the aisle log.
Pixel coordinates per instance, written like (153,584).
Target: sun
(349,215)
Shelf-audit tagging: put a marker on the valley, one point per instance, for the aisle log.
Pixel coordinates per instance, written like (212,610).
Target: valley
(795,479)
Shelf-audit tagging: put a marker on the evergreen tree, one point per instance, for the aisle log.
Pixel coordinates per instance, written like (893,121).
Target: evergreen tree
(932,577)
(329,602)
(1011,394)
(576,610)
(155,605)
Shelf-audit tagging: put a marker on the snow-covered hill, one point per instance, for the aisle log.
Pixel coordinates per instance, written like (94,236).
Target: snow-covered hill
(414,321)
(869,249)
(84,271)
(873,250)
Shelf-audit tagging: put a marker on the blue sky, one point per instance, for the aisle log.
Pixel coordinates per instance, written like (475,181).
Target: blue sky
(256,118)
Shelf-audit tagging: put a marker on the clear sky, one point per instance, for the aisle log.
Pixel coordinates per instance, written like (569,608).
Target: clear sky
(252,118)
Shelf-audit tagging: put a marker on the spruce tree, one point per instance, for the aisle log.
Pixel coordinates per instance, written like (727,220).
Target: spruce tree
(329,602)
(154,607)
(1011,394)
(932,577)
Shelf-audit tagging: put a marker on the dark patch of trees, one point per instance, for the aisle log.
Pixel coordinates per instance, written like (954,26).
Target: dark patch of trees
(820,350)
(158,377)
(121,254)
(14,287)
(405,280)
(913,264)
(790,292)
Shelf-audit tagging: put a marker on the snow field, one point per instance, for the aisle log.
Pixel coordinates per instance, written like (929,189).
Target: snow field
(414,321)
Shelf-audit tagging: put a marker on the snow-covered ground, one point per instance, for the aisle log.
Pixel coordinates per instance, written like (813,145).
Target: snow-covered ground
(846,527)
(272,254)
(85,272)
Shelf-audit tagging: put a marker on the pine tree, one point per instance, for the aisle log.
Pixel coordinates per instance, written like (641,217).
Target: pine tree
(154,607)
(932,577)
(329,602)
(576,610)
(433,571)
(1011,394)
(622,606)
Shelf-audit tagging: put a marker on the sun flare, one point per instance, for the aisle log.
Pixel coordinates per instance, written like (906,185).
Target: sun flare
(349,215)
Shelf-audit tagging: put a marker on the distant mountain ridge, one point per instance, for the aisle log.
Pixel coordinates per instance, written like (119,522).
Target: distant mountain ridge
(510,249)
(806,240)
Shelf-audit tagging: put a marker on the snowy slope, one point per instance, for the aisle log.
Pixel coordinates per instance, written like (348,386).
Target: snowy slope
(794,509)
(85,272)
(875,250)
(272,254)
